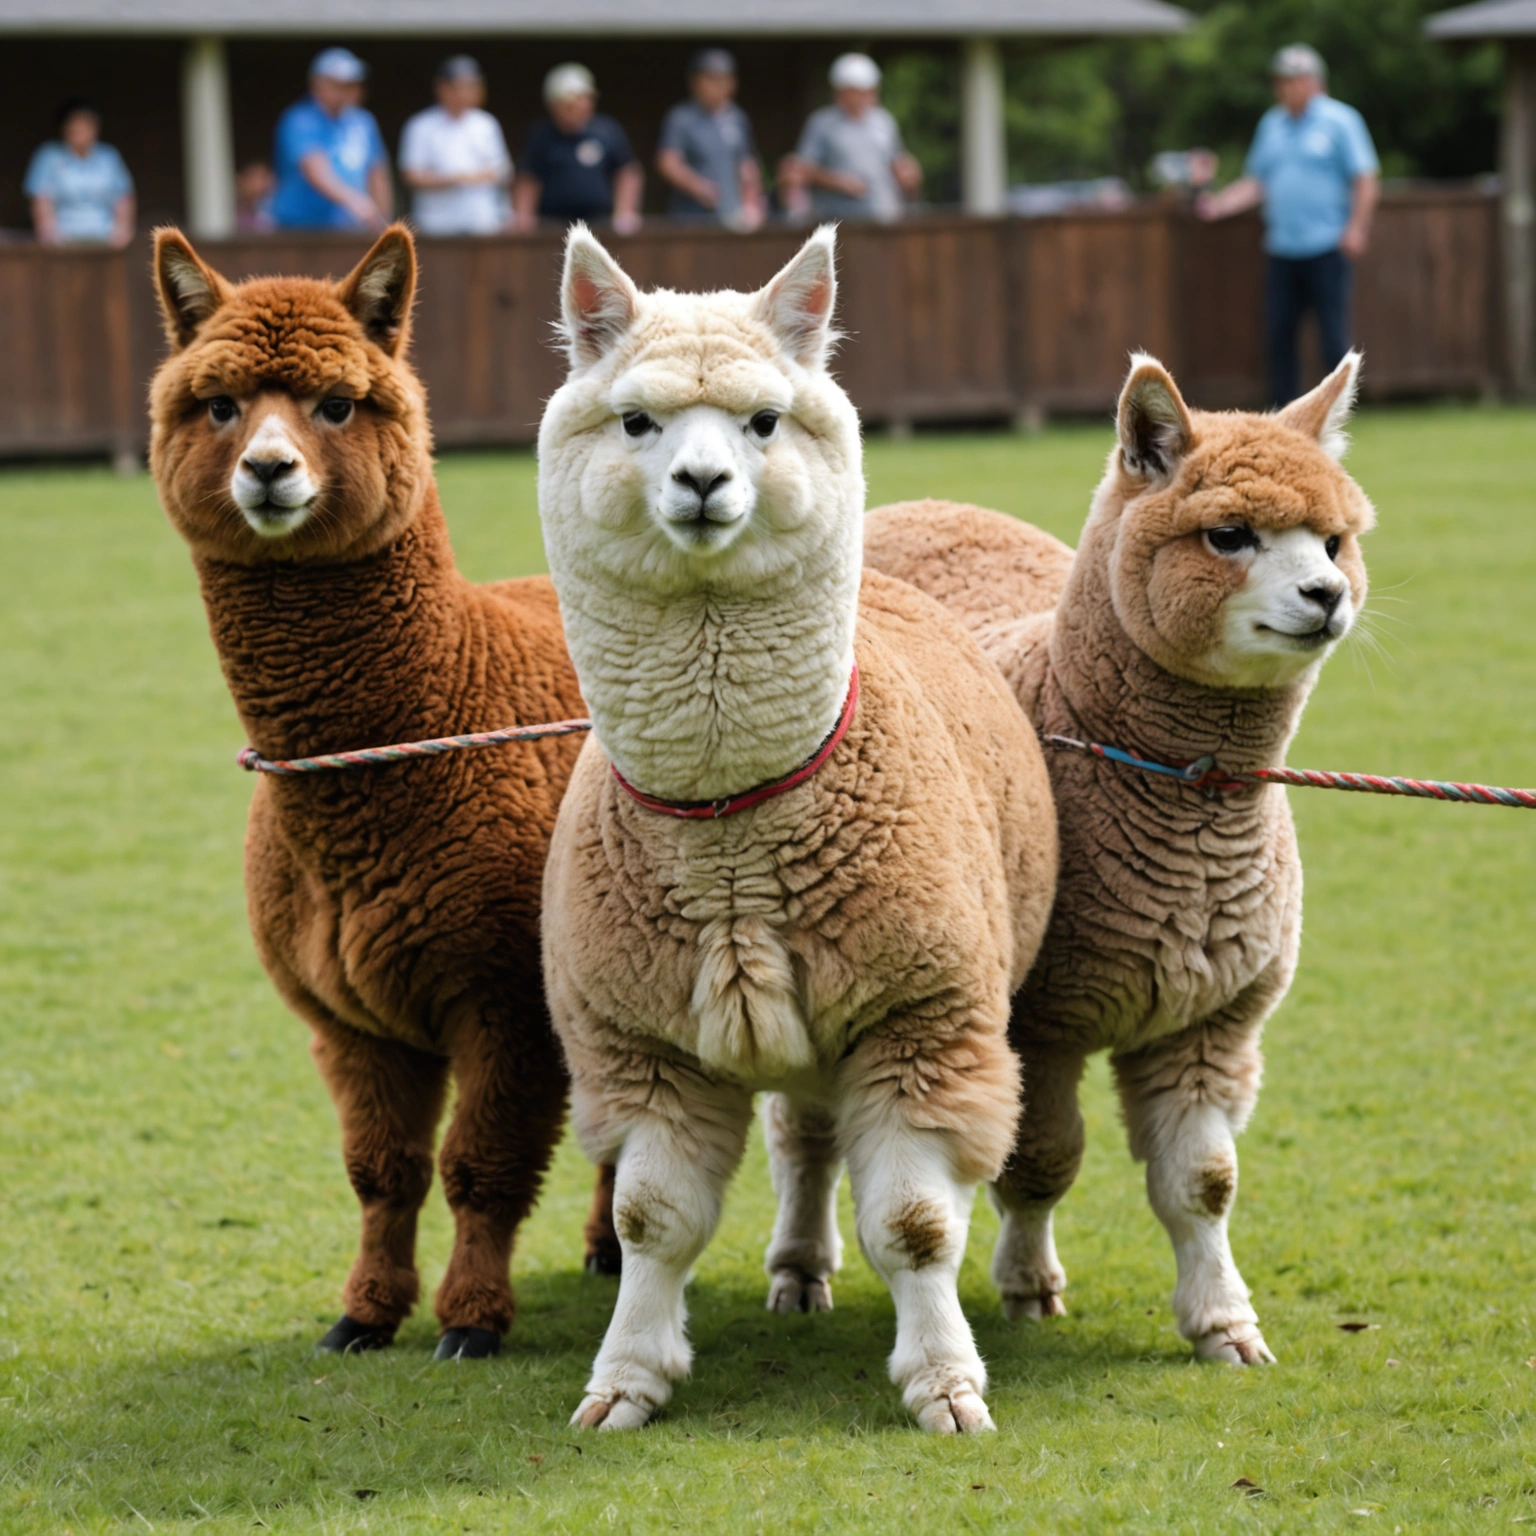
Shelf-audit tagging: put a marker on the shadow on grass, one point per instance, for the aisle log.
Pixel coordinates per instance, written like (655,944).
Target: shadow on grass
(271,1427)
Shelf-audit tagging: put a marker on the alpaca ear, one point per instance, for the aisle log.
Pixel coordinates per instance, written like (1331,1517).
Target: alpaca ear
(598,302)
(797,305)
(190,290)
(1154,425)
(1325,411)
(379,290)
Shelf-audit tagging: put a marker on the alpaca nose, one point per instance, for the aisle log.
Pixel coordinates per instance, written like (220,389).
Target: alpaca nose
(702,482)
(266,470)
(1326,598)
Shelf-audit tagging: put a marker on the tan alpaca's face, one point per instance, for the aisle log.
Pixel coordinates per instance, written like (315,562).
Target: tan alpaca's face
(698,438)
(286,425)
(1236,559)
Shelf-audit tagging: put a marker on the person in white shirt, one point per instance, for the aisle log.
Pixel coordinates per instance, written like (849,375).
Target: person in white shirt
(454,158)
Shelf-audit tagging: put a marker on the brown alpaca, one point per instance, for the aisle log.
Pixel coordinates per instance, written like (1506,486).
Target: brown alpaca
(1219,566)
(395,909)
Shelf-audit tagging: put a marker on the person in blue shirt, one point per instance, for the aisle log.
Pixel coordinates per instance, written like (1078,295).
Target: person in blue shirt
(332,169)
(80,190)
(577,163)
(1313,167)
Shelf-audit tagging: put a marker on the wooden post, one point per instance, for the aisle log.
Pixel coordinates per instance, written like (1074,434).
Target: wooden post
(983,140)
(207,140)
(1517,170)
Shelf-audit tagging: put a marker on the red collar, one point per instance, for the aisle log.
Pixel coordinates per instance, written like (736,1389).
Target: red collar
(697,810)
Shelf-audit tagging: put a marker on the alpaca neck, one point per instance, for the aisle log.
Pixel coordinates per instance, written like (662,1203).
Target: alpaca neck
(704,693)
(327,657)
(1116,693)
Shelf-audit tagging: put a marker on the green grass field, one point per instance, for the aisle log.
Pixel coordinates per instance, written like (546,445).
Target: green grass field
(175,1223)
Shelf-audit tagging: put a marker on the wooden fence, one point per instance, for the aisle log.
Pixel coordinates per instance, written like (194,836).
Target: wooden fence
(947,319)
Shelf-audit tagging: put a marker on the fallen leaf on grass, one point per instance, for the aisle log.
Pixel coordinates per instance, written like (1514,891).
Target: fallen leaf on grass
(1391,1361)
(535,1459)
(1248,1486)
(1355,1327)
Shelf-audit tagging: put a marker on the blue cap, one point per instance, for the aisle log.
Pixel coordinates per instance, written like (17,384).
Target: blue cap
(339,64)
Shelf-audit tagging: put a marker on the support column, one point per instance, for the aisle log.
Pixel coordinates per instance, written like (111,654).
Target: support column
(207,139)
(983,141)
(1517,170)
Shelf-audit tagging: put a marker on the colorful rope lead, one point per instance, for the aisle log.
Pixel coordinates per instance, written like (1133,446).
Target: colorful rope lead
(375,757)
(1204,775)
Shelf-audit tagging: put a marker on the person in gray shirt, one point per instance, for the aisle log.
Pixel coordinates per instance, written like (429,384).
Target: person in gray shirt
(707,153)
(850,158)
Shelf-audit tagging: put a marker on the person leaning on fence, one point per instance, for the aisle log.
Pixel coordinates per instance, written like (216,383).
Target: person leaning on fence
(331,165)
(80,190)
(577,163)
(707,153)
(850,157)
(1313,167)
(454,158)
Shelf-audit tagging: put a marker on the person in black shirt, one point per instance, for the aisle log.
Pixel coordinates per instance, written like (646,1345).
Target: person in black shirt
(577,163)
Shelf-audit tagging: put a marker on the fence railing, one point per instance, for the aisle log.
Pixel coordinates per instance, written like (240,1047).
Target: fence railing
(947,319)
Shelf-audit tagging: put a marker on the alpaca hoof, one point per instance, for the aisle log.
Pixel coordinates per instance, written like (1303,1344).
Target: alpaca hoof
(957,1412)
(598,1411)
(1036,1307)
(350,1337)
(604,1260)
(793,1290)
(1241,1344)
(468,1344)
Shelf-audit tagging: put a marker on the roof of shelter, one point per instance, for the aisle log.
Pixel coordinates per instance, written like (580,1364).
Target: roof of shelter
(555,18)
(1488,18)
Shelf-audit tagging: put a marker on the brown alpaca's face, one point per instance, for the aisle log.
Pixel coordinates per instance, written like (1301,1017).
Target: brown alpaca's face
(1237,562)
(286,425)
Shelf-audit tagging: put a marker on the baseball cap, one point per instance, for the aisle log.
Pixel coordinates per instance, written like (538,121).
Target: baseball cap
(459,66)
(1297,59)
(339,64)
(855,72)
(567,80)
(712,61)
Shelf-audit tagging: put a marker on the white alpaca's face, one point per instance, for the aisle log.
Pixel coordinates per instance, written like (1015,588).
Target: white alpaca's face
(1293,607)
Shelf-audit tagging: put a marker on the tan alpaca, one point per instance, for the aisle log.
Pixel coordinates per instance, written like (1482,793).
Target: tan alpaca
(396,909)
(850,945)
(1219,566)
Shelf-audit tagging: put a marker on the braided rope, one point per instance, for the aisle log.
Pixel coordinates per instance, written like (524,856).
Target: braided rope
(374,757)
(1204,775)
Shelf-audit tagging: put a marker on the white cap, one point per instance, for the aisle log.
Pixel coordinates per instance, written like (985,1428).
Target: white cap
(339,64)
(855,72)
(567,80)
(1297,59)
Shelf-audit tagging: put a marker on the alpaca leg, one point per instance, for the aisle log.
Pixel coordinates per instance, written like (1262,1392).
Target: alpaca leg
(670,1179)
(913,1214)
(1184,1101)
(506,1121)
(603,1255)
(1040,1170)
(806,1249)
(388,1098)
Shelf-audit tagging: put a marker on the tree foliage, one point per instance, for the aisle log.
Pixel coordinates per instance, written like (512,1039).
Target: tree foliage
(1106,108)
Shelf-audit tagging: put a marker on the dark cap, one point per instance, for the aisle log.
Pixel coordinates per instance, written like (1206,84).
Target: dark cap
(712,61)
(459,67)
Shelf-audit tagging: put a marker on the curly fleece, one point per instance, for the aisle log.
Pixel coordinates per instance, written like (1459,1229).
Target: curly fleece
(395,909)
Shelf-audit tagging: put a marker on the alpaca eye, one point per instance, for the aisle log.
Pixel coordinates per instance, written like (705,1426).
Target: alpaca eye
(222,410)
(336,410)
(1332,547)
(637,423)
(764,423)
(1231,541)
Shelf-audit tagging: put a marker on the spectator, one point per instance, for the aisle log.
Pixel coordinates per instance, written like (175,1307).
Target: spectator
(707,151)
(850,155)
(454,158)
(332,171)
(80,189)
(577,163)
(254,184)
(1313,167)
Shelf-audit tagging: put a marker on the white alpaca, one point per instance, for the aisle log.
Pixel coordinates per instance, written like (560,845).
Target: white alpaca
(849,944)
